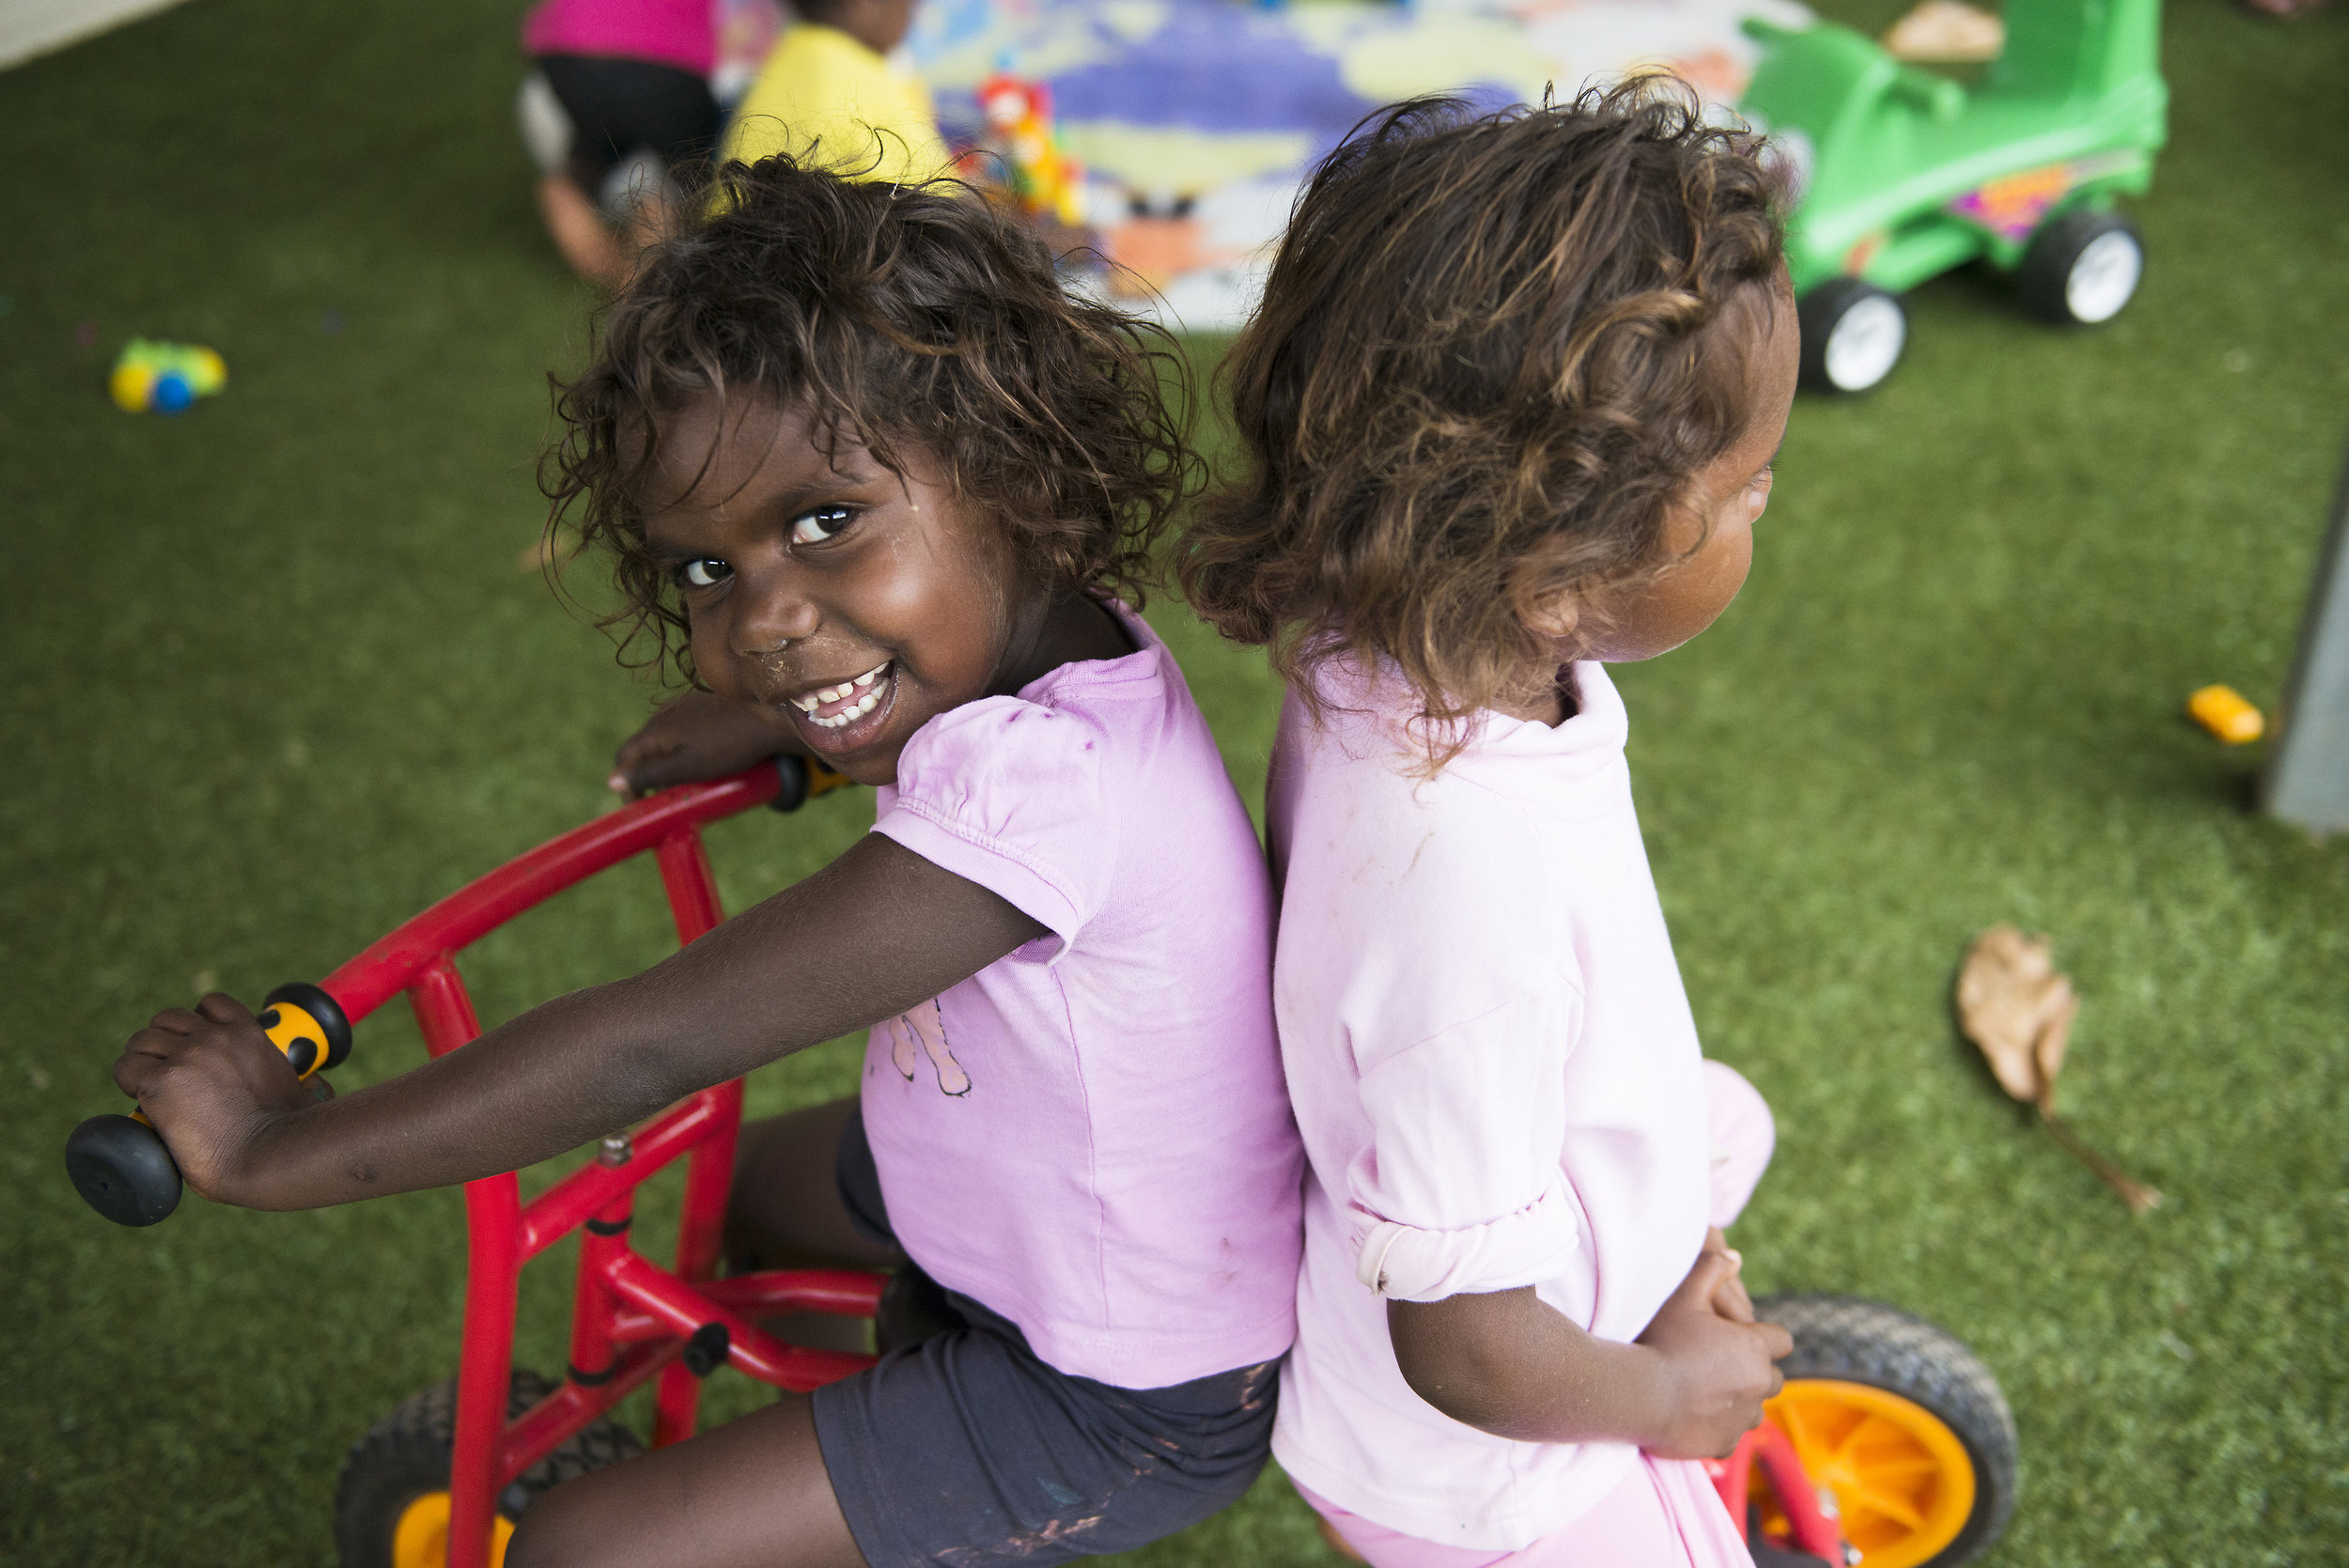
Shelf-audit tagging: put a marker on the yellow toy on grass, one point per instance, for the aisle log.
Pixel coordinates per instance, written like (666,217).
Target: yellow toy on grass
(2223,711)
(165,377)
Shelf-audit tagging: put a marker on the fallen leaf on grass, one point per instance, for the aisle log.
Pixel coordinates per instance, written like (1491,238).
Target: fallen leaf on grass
(2017,1008)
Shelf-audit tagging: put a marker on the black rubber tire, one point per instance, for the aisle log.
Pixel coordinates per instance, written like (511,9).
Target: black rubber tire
(1854,1340)
(1820,311)
(407,1455)
(2044,281)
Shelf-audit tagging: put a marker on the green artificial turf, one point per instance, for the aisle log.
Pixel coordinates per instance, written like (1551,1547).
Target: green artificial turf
(273,682)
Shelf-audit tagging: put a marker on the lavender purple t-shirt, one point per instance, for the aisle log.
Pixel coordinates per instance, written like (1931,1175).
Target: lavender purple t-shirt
(1092,1135)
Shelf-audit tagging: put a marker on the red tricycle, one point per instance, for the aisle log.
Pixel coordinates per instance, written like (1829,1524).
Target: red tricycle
(1891,1444)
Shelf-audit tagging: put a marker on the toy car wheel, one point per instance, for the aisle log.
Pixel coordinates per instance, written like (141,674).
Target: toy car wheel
(1899,1423)
(1852,336)
(391,1510)
(2083,267)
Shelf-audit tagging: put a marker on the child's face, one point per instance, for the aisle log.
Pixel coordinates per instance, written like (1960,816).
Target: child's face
(1726,498)
(845,605)
(880,26)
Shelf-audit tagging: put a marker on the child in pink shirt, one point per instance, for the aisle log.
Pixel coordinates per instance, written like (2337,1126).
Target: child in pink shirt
(618,100)
(1511,400)
(877,482)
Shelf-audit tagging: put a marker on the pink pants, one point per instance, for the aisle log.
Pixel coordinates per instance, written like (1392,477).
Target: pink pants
(1665,1513)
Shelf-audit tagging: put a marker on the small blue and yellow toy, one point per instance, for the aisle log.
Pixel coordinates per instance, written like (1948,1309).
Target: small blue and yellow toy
(165,377)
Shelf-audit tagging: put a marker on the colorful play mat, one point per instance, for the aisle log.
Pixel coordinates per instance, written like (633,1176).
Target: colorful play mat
(1196,119)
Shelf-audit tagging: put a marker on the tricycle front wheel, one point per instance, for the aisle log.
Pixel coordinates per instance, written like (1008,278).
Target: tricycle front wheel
(392,1508)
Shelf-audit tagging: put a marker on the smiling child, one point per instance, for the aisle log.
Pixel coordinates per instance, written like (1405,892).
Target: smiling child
(874,480)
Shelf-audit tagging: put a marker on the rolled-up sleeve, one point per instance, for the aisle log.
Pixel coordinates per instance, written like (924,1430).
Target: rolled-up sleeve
(1459,1188)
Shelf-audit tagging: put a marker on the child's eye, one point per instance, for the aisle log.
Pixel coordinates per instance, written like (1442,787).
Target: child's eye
(705,572)
(813,528)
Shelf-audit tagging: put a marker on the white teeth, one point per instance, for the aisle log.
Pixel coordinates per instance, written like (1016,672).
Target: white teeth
(865,703)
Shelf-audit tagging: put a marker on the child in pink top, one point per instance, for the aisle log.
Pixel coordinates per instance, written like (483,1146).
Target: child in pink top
(617,101)
(875,481)
(1511,401)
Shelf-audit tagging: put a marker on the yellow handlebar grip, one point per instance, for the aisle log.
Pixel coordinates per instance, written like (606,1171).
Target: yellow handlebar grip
(294,1031)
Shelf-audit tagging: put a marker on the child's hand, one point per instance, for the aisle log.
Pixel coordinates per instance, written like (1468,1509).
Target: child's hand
(1720,1363)
(697,736)
(1729,1297)
(212,1083)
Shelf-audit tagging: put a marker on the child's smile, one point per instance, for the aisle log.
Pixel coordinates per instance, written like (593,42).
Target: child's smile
(836,707)
(844,604)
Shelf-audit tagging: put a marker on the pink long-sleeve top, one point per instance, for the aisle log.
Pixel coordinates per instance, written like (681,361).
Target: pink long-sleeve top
(1497,1078)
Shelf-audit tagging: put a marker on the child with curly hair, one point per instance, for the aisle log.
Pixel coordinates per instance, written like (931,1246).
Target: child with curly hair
(1509,409)
(884,490)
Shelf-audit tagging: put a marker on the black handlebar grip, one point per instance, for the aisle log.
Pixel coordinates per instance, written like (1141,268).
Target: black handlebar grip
(803,779)
(791,773)
(118,1164)
(121,1169)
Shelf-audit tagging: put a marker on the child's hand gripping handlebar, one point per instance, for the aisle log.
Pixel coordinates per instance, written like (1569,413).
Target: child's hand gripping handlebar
(118,1164)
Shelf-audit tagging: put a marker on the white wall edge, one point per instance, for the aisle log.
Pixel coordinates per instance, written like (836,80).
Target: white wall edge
(31,28)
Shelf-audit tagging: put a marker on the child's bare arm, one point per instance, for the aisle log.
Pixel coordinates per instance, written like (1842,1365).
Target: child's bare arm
(698,736)
(1508,1364)
(877,931)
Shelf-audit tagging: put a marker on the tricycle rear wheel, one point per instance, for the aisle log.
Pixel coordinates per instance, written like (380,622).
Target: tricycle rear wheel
(1901,1424)
(391,1510)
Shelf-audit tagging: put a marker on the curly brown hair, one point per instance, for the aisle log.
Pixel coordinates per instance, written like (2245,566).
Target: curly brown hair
(1480,379)
(905,318)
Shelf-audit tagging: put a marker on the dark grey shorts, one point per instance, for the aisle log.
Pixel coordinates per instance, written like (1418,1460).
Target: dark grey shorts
(965,1449)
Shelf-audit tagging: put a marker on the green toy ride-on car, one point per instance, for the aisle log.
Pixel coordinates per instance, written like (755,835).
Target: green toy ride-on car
(1900,175)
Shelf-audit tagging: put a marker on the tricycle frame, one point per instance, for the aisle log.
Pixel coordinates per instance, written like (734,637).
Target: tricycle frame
(631,1319)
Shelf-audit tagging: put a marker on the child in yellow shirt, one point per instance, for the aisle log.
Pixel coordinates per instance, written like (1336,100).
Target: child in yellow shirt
(828,94)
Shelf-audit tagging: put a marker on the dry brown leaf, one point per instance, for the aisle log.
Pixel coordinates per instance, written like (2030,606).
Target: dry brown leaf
(2017,1008)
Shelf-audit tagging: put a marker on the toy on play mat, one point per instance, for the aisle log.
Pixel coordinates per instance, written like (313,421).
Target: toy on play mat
(165,377)
(1946,32)
(1900,175)
(1044,179)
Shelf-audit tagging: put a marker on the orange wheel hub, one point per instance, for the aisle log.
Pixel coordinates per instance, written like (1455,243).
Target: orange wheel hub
(1898,1475)
(420,1540)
